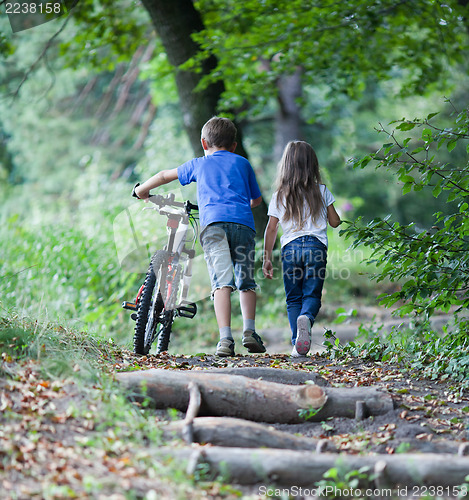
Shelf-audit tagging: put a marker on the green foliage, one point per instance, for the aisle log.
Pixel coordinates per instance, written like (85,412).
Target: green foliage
(308,413)
(340,483)
(338,45)
(431,263)
(417,347)
(63,272)
(104,33)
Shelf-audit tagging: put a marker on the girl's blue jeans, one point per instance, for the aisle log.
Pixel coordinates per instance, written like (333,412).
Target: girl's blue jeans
(304,270)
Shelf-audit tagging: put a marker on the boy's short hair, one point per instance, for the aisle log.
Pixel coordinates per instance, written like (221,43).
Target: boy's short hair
(219,132)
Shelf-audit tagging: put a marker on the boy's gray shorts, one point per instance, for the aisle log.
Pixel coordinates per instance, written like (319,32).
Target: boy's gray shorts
(229,247)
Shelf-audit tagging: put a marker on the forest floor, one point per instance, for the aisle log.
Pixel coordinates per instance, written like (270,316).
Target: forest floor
(47,445)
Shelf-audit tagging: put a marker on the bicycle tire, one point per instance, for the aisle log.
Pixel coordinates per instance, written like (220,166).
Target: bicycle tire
(164,333)
(145,332)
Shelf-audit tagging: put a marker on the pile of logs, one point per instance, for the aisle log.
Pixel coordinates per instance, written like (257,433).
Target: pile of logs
(225,408)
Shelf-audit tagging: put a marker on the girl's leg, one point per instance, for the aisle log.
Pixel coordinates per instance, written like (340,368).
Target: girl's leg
(293,283)
(315,271)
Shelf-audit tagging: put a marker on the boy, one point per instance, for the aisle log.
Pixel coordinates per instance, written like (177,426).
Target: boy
(227,190)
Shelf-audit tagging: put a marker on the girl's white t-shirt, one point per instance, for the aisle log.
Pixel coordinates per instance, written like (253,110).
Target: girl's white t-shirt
(317,228)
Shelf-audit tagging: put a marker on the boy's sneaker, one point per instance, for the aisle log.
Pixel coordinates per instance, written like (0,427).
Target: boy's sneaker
(252,342)
(225,347)
(303,339)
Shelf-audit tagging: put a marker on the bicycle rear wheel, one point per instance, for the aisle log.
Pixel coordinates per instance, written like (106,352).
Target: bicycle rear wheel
(150,304)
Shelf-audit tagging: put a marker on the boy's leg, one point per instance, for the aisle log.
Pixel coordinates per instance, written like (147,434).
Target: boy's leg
(242,246)
(222,306)
(218,257)
(247,301)
(251,340)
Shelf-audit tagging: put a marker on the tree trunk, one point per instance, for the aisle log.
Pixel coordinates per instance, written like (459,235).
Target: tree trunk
(175,22)
(257,400)
(288,119)
(302,468)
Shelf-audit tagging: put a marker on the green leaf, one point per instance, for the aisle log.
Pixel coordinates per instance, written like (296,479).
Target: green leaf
(407,188)
(452,144)
(437,190)
(406,126)
(406,178)
(427,135)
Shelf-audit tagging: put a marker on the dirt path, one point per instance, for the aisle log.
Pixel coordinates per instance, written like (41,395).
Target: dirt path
(60,438)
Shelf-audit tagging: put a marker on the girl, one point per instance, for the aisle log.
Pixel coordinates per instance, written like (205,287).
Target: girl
(302,206)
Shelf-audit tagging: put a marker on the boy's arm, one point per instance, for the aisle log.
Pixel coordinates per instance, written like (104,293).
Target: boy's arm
(255,203)
(269,240)
(332,216)
(157,180)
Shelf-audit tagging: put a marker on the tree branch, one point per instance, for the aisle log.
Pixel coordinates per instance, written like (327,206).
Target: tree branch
(42,55)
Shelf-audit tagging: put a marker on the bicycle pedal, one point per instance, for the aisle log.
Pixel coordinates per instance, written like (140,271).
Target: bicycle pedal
(188,310)
(131,306)
(133,316)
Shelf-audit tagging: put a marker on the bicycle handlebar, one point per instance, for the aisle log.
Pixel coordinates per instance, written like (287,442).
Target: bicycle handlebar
(162,201)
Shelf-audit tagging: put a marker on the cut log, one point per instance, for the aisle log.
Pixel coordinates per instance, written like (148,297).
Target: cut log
(238,433)
(302,468)
(225,395)
(257,400)
(279,375)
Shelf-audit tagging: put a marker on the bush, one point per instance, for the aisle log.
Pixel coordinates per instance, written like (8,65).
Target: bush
(433,262)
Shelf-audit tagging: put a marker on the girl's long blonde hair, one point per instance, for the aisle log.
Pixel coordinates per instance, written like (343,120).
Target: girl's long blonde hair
(298,180)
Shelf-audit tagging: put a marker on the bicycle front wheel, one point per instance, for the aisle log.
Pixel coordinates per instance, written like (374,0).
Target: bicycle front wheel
(150,305)
(169,314)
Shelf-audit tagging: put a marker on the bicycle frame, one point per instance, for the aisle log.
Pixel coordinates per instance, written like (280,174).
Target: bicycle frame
(175,269)
(179,254)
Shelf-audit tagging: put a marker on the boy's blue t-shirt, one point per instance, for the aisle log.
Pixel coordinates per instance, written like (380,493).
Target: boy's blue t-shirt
(226,184)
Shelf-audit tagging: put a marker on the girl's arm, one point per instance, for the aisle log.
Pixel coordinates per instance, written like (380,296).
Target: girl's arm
(332,216)
(269,240)
(157,180)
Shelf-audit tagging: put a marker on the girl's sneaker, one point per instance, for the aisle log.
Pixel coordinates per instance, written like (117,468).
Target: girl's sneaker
(225,347)
(295,353)
(303,338)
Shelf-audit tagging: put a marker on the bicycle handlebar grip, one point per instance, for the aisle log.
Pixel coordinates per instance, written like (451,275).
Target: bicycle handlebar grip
(134,194)
(191,206)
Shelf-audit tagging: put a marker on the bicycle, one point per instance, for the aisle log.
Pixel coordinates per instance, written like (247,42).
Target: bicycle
(161,298)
